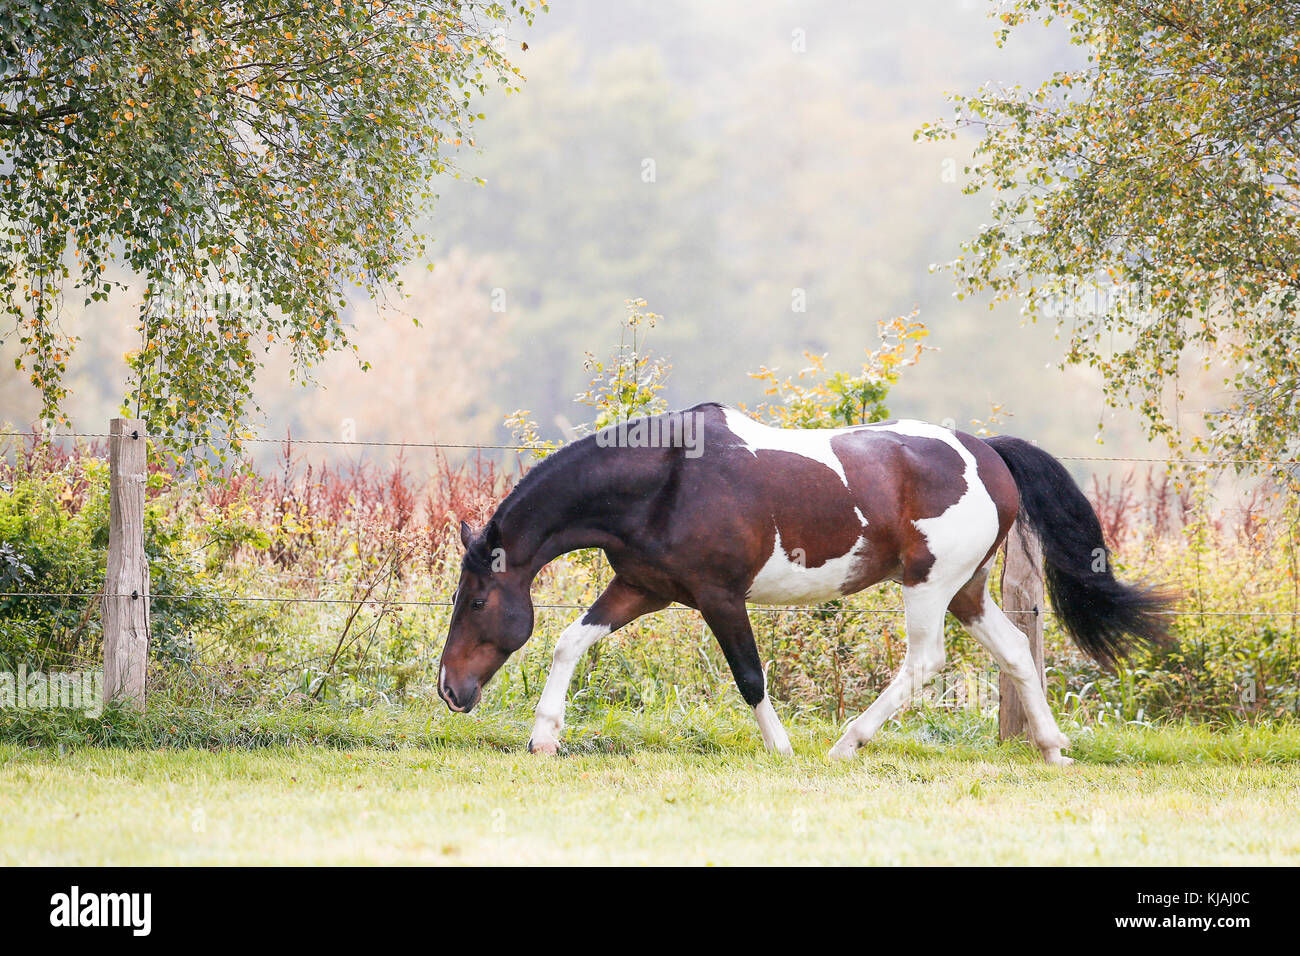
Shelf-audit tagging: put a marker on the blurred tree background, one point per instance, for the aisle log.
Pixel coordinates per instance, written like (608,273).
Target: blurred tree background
(246,164)
(747,168)
(1154,192)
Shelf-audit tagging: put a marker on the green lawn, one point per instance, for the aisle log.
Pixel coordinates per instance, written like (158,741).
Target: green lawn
(1136,796)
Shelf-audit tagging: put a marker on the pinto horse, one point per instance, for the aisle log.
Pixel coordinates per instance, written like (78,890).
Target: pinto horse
(711,509)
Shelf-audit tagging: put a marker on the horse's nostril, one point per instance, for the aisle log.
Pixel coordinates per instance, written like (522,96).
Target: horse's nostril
(456,702)
(445,693)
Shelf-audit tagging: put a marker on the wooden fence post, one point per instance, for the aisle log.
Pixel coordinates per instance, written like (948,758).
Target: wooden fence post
(1022,600)
(126,589)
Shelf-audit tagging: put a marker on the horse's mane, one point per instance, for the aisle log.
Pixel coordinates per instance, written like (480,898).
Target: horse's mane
(478,556)
(544,467)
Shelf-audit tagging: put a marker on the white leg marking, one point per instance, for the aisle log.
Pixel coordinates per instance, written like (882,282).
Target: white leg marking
(1010,649)
(769,725)
(925,607)
(573,643)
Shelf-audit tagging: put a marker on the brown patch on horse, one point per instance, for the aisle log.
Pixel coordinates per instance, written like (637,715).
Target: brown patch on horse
(812,509)
(895,479)
(967,605)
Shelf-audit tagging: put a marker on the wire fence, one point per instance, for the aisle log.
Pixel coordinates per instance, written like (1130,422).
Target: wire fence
(487,446)
(415,602)
(828,609)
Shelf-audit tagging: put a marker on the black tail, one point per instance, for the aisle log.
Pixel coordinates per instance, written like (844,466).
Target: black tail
(1104,616)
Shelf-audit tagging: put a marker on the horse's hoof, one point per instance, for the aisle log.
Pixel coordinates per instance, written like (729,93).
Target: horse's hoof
(1055,758)
(843,750)
(549,747)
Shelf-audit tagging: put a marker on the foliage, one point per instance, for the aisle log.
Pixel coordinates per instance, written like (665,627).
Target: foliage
(1238,651)
(625,386)
(249,161)
(748,205)
(1148,200)
(839,399)
(54,541)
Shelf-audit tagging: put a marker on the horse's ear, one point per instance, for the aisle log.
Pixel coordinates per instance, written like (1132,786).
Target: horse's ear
(492,535)
(466,535)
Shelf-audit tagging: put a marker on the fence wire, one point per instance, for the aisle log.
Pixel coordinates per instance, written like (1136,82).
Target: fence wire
(465,446)
(413,602)
(768,609)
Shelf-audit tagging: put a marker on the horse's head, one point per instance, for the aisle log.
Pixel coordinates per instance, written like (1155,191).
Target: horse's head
(491,618)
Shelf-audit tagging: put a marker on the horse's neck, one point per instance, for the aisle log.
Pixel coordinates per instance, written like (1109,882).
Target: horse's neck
(578,503)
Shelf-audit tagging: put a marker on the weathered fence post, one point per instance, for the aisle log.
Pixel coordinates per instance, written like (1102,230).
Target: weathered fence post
(1022,600)
(126,589)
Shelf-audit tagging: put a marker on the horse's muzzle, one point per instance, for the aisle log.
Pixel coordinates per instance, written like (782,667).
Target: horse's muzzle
(461,703)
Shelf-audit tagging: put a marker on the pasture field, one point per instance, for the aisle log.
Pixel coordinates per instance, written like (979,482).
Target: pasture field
(935,789)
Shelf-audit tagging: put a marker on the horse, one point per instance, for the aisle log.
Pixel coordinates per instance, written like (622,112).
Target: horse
(711,509)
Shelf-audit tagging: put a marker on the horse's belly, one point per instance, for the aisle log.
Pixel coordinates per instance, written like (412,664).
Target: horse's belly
(785,578)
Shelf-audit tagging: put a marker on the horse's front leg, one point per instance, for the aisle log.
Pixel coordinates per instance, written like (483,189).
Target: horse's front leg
(618,604)
(728,619)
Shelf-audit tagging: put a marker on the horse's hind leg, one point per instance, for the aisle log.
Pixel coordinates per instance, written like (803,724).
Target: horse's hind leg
(925,606)
(618,604)
(987,623)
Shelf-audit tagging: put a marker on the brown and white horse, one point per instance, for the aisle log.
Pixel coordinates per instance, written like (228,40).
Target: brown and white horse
(713,510)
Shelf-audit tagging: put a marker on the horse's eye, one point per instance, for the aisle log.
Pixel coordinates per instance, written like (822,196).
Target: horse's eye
(477,604)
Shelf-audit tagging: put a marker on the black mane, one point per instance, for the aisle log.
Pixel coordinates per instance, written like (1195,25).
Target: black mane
(548,464)
(478,556)
(477,560)
(563,453)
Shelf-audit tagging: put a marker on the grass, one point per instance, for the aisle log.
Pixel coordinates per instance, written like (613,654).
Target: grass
(329,786)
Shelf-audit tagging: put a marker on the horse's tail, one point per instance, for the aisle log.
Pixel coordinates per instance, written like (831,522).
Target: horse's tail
(1105,617)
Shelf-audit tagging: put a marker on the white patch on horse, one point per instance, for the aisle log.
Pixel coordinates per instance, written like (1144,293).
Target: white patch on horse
(783,581)
(811,443)
(968,528)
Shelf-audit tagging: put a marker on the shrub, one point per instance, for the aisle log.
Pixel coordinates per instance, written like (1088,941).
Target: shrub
(54,515)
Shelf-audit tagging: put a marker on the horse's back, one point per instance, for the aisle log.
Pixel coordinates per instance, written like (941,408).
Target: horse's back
(903,467)
(827,512)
